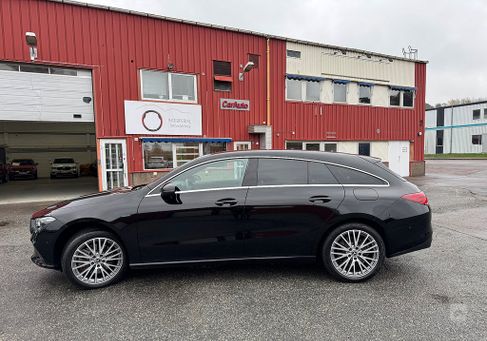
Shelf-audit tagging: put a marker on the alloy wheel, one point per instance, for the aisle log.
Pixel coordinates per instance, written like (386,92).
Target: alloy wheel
(97,260)
(354,253)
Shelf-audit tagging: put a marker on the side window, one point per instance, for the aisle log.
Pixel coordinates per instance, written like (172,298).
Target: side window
(349,176)
(281,172)
(219,174)
(318,173)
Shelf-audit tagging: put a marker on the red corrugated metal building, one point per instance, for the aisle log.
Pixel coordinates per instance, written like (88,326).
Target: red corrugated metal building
(159,87)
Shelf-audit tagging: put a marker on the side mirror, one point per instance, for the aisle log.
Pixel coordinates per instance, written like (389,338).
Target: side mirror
(170,195)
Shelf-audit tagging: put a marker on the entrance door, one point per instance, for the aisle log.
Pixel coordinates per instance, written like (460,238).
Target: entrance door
(114,164)
(399,157)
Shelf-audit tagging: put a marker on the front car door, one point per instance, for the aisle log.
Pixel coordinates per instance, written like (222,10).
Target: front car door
(289,207)
(204,224)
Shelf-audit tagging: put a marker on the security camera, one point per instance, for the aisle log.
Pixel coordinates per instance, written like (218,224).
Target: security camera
(31,39)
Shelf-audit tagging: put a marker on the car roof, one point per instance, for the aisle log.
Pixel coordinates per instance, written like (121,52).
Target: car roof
(332,157)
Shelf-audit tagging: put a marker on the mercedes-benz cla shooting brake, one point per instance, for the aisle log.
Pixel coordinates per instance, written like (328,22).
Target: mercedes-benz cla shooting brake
(348,212)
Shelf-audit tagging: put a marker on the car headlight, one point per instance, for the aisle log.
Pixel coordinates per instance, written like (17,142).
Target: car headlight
(38,224)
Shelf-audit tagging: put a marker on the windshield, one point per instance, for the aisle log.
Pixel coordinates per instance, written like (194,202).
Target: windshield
(66,160)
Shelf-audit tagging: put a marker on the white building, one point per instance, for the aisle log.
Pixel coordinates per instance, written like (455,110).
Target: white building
(456,129)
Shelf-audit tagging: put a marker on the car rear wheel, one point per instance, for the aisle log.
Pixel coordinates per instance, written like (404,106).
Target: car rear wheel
(94,259)
(353,252)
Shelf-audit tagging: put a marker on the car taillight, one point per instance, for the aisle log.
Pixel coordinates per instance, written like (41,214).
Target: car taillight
(419,198)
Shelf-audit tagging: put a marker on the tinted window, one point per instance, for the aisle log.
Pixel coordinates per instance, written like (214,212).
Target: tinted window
(349,176)
(318,173)
(219,174)
(395,97)
(23,162)
(440,117)
(293,53)
(476,139)
(282,172)
(365,93)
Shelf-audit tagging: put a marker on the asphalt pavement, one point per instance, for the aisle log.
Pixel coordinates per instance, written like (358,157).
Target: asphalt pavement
(438,293)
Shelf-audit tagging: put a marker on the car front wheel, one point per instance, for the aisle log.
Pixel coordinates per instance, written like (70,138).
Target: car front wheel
(353,252)
(94,259)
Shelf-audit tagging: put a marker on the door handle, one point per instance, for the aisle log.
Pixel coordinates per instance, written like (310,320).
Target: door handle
(319,199)
(226,202)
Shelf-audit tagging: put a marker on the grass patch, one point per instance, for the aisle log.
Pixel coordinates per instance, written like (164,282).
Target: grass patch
(456,156)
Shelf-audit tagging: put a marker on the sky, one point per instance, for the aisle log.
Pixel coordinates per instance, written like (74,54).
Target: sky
(450,34)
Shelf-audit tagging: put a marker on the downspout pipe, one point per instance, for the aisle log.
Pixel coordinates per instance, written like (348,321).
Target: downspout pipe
(268,83)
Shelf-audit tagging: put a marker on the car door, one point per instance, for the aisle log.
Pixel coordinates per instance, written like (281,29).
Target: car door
(205,220)
(289,207)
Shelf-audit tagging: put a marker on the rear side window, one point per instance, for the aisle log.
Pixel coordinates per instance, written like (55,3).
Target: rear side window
(318,173)
(281,172)
(352,177)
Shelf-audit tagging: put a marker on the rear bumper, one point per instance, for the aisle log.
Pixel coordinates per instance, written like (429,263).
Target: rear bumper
(409,234)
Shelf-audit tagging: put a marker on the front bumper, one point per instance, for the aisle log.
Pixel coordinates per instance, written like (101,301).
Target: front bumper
(39,261)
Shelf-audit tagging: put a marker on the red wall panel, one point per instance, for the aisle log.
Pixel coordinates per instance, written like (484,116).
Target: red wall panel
(119,44)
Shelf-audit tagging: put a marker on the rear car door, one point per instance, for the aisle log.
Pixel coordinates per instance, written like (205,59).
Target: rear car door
(204,224)
(289,206)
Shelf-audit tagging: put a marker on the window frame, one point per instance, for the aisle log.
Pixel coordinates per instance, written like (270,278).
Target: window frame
(401,98)
(473,114)
(173,151)
(242,143)
(346,92)
(297,52)
(169,84)
(371,88)
(228,82)
(479,137)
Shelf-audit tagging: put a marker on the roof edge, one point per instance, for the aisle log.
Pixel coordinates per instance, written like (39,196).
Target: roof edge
(234,29)
(457,105)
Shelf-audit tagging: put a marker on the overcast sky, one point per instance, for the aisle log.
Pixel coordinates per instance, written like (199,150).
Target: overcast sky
(450,34)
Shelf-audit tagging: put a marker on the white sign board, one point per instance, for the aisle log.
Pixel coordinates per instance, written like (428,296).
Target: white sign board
(151,118)
(234,104)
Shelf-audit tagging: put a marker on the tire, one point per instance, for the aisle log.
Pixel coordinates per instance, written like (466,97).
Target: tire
(361,265)
(98,271)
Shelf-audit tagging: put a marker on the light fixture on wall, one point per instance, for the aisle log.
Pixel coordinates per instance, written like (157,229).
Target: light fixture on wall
(249,66)
(31,40)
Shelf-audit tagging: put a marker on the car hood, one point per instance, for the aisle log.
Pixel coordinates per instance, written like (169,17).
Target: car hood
(95,201)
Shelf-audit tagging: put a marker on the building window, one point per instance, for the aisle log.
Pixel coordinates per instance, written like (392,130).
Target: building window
(439,141)
(395,98)
(168,86)
(401,97)
(331,147)
(157,155)
(339,92)
(485,113)
(476,114)
(440,117)
(9,67)
(34,68)
(407,98)
(161,155)
(294,89)
(222,75)
(364,93)
(313,90)
(242,145)
(476,139)
(38,69)
(293,145)
(293,54)
(254,58)
(364,149)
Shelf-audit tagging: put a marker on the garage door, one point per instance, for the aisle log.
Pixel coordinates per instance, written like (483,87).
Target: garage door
(39,93)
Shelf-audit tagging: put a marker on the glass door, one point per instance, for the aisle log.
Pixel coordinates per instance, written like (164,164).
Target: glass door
(114,164)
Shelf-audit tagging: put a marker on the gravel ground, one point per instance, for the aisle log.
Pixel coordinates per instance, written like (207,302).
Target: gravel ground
(438,293)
